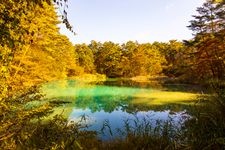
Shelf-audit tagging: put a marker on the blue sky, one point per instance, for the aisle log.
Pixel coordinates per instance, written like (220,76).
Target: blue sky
(123,20)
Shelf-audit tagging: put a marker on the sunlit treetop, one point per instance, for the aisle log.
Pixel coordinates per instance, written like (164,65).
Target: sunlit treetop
(12,12)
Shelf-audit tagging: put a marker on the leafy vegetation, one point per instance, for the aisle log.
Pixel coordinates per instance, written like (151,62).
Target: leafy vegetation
(32,52)
(30,47)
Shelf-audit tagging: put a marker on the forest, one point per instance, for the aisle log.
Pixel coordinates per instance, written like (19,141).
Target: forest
(33,52)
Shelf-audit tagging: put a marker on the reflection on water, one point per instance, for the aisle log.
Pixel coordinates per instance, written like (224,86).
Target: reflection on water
(117,119)
(116,101)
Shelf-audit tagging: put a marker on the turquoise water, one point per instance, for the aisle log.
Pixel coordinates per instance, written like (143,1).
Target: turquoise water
(106,106)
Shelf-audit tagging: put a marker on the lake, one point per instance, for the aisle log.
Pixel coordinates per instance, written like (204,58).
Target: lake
(107,107)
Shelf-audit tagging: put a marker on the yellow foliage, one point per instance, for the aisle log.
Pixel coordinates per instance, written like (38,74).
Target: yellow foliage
(90,77)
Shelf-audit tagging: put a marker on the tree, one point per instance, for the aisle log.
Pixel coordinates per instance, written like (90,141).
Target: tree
(15,16)
(32,51)
(107,59)
(128,49)
(85,57)
(146,60)
(127,60)
(208,45)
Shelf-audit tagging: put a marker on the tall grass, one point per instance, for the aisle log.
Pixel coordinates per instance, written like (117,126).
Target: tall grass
(145,133)
(206,130)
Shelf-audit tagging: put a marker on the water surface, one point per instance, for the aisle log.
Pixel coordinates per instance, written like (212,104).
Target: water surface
(114,102)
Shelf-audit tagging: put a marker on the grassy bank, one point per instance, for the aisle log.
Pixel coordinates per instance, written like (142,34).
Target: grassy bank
(90,78)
